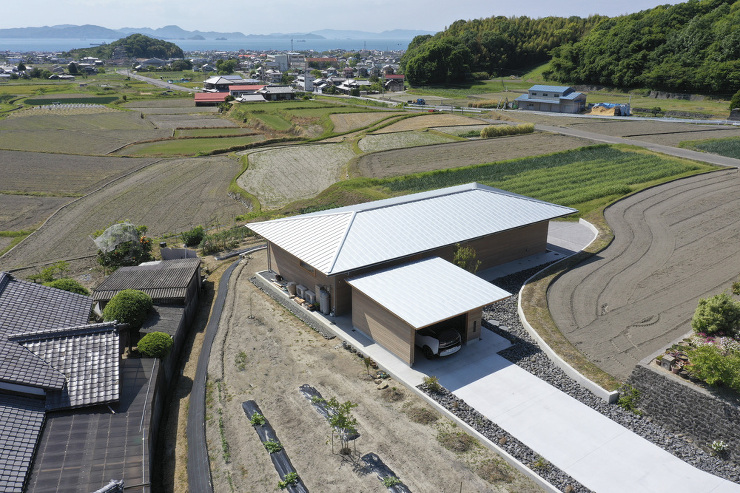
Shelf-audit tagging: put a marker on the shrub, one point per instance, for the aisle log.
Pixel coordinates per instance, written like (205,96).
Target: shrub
(155,345)
(717,315)
(503,130)
(129,306)
(67,284)
(193,237)
(628,398)
(710,365)
(432,383)
(735,101)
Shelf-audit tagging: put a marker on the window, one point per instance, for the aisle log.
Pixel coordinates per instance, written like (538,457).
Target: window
(534,93)
(308,267)
(544,94)
(556,95)
(475,325)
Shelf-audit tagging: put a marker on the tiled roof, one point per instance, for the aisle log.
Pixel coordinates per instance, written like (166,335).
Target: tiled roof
(166,279)
(24,307)
(21,421)
(356,236)
(88,356)
(211,96)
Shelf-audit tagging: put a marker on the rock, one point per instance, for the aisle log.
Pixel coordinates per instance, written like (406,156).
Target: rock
(382,385)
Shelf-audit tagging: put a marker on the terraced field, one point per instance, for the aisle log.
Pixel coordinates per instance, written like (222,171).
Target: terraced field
(76,134)
(346,122)
(398,140)
(456,154)
(187,120)
(188,147)
(169,196)
(23,212)
(60,174)
(429,121)
(282,175)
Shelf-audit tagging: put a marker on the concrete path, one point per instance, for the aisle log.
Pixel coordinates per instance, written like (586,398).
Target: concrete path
(671,151)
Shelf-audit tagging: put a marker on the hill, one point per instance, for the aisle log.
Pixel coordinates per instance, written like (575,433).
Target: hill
(135,46)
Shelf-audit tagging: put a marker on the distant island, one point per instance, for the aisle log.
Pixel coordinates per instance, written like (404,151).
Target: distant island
(69,31)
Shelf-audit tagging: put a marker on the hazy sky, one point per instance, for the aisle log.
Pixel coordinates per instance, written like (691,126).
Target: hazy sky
(263,17)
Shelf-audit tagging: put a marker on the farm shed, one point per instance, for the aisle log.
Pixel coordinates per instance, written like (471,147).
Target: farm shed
(210,98)
(557,99)
(322,251)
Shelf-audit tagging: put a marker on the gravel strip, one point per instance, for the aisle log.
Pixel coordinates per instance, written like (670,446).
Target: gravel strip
(526,354)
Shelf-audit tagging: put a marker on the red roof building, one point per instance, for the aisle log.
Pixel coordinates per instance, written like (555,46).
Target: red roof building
(210,98)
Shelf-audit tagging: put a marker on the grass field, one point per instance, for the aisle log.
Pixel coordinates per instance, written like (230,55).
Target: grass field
(201,120)
(187,147)
(729,147)
(275,122)
(212,132)
(71,100)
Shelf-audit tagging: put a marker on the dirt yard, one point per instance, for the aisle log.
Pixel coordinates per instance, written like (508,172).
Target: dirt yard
(443,156)
(673,244)
(264,353)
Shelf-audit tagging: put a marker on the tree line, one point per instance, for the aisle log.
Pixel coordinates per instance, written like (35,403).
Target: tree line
(135,46)
(691,46)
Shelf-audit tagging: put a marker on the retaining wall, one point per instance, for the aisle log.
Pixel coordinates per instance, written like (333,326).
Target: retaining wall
(683,407)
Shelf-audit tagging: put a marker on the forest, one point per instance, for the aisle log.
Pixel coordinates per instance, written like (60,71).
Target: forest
(692,47)
(135,46)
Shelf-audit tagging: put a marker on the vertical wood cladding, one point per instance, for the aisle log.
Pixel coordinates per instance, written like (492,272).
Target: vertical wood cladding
(383,327)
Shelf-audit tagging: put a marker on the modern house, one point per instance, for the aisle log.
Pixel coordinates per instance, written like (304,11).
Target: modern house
(277,93)
(557,99)
(387,263)
(239,90)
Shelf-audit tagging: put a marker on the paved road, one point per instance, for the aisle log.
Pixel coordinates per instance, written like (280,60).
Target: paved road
(199,467)
(673,244)
(157,82)
(672,151)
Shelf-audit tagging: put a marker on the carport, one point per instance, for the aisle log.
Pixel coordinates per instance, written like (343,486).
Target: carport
(390,305)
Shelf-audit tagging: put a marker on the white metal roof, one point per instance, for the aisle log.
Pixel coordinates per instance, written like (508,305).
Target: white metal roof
(427,291)
(347,238)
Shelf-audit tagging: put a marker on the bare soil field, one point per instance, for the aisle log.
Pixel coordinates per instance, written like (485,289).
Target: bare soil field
(18,212)
(62,109)
(263,352)
(189,121)
(282,175)
(344,122)
(169,197)
(60,174)
(461,129)
(5,241)
(192,110)
(76,134)
(161,103)
(665,133)
(429,120)
(398,140)
(673,244)
(456,154)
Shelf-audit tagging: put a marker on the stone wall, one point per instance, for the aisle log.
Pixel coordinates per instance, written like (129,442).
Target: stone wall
(682,407)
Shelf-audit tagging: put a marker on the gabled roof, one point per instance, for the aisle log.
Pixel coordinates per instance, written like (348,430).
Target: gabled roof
(21,420)
(25,306)
(210,96)
(87,356)
(247,87)
(555,89)
(348,238)
(165,279)
(448,291)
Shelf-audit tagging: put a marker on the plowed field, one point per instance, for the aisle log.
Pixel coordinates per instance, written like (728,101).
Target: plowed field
(189,121)
(18,212)
(381,142)
(344,122)
(456,154)
(280,176)
(428,121)
(170,196)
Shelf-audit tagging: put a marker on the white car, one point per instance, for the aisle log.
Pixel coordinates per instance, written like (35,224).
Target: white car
(438,341)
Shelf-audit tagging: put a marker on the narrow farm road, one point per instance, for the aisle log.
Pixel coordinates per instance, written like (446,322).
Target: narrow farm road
(156,82)
(671,151)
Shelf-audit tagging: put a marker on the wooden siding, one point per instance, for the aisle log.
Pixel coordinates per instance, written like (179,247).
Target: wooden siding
(383,327)
(289,266)
(473,329)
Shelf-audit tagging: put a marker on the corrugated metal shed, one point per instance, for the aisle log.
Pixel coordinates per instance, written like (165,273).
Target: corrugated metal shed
(356,236)
(428,291)
(555,89)
(163,280)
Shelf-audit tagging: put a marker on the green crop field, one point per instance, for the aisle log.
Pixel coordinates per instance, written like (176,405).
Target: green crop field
(586,179)
(729,147)
(276,122)
(188,147)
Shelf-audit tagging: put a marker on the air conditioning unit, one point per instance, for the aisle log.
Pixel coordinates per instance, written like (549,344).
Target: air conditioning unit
(301,291)
(310,296)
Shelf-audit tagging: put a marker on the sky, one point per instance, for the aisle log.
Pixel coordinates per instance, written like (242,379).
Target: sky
(287,16)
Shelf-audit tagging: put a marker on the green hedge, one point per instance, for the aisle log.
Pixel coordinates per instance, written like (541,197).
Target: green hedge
(155,345)
(129,306)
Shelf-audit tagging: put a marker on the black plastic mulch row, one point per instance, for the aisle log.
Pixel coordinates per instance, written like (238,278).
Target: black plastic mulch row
(314,396)
(279,459)
(376,465)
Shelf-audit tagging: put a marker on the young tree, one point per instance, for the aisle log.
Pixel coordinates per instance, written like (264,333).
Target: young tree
(343,422)
(717,315)
(67,284)
(466,258)
(72,68)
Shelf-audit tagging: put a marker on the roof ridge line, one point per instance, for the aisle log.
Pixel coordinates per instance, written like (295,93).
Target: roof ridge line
(341,243)
(42,334)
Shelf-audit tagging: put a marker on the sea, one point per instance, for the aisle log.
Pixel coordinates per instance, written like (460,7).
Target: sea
(253,44)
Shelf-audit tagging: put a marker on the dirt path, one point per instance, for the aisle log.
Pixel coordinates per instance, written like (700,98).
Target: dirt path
(673,244)
(264,353)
